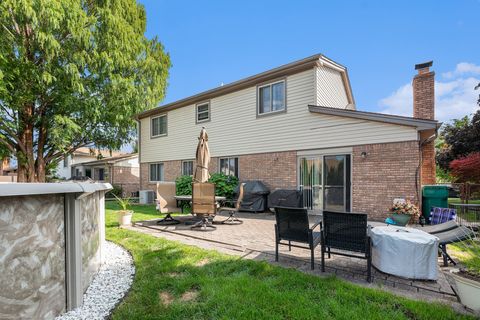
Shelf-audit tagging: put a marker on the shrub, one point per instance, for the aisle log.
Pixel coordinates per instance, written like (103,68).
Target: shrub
(184,186)
(224,184)
(466,169)
(117,191)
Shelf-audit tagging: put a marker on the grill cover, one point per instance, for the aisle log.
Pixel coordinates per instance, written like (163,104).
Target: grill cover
(254,196)
(285,198)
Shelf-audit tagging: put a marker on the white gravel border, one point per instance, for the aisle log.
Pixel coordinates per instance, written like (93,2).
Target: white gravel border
(108,287)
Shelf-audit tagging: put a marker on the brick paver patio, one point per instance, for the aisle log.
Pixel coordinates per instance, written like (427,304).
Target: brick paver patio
(254,239)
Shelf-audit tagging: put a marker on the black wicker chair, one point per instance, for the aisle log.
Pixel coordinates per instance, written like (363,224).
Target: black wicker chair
(347,232)
(292,225)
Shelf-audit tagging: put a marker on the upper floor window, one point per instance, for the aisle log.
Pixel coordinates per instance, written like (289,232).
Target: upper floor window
(229,166)
(65,161)
(271,97)
(187,168)
(203,112)
(159,126)
(156,172)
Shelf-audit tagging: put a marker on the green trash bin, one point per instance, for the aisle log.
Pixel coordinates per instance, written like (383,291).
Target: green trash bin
(433,196)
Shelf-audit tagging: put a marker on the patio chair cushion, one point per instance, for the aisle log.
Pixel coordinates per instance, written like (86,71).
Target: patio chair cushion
(442,227)
(441,215)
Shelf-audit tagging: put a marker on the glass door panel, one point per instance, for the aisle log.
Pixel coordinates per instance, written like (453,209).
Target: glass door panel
(310,182)
(337,178)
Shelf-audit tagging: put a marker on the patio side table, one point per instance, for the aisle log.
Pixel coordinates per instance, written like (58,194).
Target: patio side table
(405,252)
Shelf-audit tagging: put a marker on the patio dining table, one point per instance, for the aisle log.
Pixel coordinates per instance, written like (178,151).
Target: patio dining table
(405,252)
(188,198)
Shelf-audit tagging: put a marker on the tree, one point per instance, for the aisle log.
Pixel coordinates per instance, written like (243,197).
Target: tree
(458,139)
(467,169)
(73,73)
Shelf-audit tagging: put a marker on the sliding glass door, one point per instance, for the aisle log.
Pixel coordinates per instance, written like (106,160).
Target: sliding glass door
(325,182)
(310,182)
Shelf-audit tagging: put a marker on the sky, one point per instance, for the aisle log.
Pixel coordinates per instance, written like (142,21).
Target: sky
(215,42)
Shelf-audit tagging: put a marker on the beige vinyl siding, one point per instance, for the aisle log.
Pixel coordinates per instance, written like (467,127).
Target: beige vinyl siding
(234,128)
(330,88)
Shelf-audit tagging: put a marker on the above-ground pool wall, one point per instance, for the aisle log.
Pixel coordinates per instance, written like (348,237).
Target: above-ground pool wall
(51,237)
(91,249)
(32,257)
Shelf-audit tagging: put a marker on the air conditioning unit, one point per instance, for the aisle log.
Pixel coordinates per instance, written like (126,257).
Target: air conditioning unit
(146,197)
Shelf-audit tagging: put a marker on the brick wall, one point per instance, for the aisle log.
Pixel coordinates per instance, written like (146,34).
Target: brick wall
(126,177)
(276,170)
(387,172)
(428,169)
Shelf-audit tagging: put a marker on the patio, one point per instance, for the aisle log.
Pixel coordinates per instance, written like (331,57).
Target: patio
(254,239)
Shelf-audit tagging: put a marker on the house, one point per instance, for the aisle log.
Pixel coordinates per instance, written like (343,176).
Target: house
(297,126)
(65,169)
(8,170)
(122,171)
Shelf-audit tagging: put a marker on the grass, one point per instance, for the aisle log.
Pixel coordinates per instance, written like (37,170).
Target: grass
(458,200)
(176,281)
(468,253)
(141,212)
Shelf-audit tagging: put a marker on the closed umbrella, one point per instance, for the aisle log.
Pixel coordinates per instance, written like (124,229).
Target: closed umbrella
(202,158)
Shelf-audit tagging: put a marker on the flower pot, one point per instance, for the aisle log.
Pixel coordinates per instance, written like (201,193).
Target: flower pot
(124,217)
(468,291)
(401,219)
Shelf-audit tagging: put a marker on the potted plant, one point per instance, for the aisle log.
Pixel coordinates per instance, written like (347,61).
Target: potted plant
(467,277)
(403,212)
(124,216)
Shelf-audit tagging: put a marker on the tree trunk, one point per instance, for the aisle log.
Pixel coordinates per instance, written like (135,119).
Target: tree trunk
(26,163)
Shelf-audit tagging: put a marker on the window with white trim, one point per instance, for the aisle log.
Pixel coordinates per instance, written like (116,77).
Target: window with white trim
(229,166)
(203,112)
(187,168)
(271,97)
(159,126)
(156,172)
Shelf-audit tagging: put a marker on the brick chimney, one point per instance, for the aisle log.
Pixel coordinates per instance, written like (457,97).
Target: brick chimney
(424,92)
(424,108)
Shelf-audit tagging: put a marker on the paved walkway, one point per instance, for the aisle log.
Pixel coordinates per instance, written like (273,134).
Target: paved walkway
(254,239)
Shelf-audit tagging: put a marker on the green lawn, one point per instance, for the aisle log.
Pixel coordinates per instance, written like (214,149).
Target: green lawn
(458,200)
(176,281)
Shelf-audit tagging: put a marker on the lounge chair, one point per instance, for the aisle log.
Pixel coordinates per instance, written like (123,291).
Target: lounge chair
(292,225)
(442,227)
(347,232)
(203,205)
(458,234)
(232,219)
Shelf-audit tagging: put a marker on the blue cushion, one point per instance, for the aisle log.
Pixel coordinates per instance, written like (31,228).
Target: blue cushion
(441,215)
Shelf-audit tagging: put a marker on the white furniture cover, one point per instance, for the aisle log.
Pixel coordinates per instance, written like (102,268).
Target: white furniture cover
(404,252)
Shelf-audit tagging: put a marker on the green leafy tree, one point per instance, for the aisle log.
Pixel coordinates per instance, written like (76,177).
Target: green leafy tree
(73,73)
(457,140)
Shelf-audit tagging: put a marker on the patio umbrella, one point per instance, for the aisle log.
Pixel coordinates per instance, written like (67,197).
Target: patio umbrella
(202,158)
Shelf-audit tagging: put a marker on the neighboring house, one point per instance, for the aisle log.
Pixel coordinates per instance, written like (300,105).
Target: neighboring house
(296,126)
(122,170)
(8,171)
(65,167)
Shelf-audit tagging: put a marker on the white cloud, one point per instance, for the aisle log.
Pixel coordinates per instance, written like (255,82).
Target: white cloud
(461,69)
(455,96)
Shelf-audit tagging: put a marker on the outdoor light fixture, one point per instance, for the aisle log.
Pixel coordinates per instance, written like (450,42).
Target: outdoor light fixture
(364,155)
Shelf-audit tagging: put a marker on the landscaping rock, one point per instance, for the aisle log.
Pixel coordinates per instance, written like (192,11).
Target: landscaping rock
(108,287)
